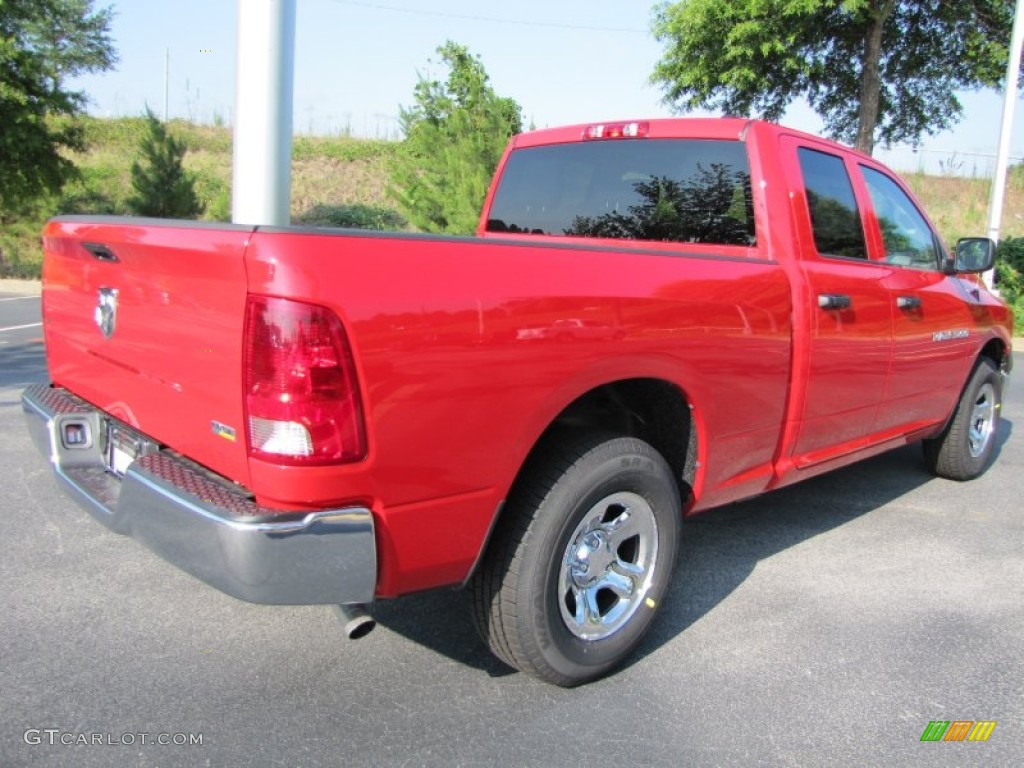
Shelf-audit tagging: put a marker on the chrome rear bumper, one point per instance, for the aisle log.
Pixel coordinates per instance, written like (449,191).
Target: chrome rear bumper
(201,523)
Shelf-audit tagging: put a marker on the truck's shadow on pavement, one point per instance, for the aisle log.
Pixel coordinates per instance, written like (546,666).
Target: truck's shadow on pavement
(719,551)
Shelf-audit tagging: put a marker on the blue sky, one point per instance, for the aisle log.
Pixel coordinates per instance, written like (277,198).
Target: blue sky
(357,60)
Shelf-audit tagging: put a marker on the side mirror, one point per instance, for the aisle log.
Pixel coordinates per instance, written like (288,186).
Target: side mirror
(973,255)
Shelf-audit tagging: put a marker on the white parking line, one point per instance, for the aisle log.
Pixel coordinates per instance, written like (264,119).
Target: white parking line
(19,327)
(19,298)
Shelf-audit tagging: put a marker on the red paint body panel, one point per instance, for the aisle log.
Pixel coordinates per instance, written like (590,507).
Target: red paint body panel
(467,349)
(456,394)
(173,364)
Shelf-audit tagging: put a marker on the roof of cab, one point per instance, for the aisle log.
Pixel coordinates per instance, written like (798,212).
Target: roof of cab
(661,128)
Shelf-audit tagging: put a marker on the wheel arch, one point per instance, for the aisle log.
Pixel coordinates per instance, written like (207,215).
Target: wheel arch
(997,350)
(994,349)
(653,409)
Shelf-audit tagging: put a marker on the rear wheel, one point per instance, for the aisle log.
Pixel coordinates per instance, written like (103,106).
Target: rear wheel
(964,448)
(581,558)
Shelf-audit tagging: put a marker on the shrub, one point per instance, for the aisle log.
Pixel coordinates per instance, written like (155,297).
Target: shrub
(1011,252)
(354,216)
(1010,275)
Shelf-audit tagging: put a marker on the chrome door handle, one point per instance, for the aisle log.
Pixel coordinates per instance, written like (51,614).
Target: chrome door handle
(908,302)
(834,301)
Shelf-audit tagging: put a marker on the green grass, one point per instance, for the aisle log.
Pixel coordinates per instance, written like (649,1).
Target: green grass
(959,206)
(20,249)
(336,181)
(342,148)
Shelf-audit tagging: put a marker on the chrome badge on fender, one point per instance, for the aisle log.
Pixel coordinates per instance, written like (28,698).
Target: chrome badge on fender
(959,333)
(105,314)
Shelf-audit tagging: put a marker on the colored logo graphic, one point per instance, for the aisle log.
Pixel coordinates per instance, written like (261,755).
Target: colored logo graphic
(958,730)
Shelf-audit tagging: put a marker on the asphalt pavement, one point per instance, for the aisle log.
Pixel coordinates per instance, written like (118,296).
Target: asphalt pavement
(824,624)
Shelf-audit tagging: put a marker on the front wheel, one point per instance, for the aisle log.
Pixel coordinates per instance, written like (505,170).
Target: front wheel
(581,558)
(965,447)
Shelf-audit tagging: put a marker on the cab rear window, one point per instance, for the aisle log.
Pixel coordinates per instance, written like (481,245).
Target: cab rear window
(669,190)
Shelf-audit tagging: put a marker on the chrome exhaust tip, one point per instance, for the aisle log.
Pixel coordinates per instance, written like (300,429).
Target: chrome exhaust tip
(355,619)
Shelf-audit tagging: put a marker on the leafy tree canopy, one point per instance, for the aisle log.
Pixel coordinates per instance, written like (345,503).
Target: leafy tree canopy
(874,70)
(455,133)
(161,185)
(42,43)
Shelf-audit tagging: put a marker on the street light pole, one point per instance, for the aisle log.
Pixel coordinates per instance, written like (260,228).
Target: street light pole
(262,153)
(995,206)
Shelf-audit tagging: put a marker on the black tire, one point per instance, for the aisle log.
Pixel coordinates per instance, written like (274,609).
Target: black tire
(963,450)
(588,508)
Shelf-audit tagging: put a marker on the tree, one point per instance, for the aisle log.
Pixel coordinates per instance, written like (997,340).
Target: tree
(42,43)
(454,136)
(162,186)
(874,70)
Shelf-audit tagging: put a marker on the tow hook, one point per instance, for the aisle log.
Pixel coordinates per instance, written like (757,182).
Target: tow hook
(356,620)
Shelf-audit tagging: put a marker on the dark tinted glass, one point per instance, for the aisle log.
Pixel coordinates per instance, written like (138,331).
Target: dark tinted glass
(834,214)
(909,241)
(684,191)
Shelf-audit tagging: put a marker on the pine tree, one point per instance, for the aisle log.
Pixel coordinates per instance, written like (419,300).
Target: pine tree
(162,186)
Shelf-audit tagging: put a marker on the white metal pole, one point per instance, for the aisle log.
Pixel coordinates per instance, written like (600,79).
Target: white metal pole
(995,206)
(261,161)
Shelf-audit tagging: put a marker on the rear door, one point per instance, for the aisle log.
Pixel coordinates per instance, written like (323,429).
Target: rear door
(848,297)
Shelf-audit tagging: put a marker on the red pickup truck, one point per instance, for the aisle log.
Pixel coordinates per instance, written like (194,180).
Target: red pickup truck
(655,318)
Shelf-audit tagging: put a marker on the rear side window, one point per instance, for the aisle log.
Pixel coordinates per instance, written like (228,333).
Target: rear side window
(674,190)
(834,215)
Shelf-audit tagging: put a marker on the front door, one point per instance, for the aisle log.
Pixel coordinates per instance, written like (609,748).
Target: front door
(932,312)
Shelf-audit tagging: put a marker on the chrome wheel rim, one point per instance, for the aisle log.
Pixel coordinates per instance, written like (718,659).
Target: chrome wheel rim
(983,420)
(608,566)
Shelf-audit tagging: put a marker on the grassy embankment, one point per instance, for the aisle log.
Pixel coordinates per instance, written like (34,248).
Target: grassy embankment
(342,181)
(336,181)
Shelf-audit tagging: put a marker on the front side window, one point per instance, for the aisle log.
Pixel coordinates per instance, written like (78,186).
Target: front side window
(670,190)
(835,219)
(909,241)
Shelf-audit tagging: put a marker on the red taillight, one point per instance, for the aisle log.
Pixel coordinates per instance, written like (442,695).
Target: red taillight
(301,393)
(616,131)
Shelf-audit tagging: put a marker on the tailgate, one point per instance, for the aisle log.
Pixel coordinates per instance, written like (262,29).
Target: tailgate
(143,318)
